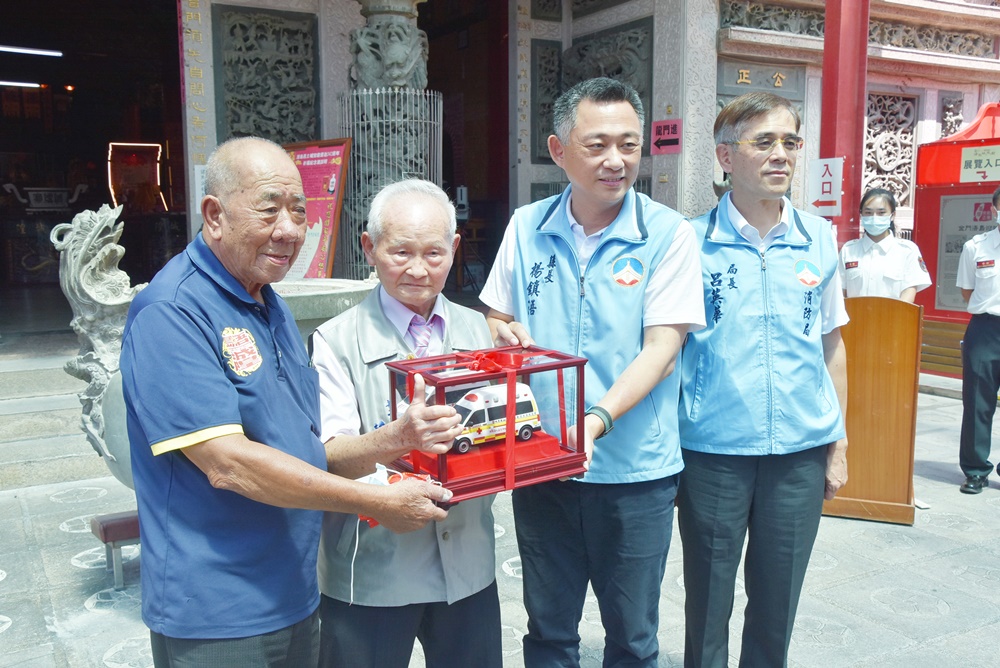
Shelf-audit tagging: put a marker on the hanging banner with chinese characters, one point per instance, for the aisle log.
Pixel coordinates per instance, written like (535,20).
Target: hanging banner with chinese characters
(323,167)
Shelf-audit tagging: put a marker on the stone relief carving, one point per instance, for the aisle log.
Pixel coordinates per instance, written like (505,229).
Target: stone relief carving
(889,135)
(99,294)
(269,75)
(744,14)
(389,53)
(613,16)
(546,10)
(951,114)
(584,7)
(623,53)
(545,88)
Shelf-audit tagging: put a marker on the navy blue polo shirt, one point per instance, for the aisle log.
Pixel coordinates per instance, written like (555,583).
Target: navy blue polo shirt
(201,359)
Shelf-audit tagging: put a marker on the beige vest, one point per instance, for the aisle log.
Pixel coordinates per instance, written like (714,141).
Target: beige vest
(444,561)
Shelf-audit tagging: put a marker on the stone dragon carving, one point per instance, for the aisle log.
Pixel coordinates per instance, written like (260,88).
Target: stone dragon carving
(99,294)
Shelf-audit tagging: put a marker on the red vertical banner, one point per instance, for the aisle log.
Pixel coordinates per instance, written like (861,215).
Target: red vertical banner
(323,167)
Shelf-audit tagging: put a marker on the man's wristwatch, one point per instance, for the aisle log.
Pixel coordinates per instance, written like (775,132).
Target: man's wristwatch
(605,416)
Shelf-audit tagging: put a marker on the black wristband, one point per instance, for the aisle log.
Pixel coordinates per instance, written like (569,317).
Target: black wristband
(605,416)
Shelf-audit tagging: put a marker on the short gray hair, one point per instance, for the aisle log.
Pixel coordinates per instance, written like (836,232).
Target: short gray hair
(376,213)
(222,175)
(600,89)
(739,113)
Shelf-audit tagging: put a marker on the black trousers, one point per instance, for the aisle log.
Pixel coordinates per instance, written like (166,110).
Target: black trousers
(465,633)
(980,384)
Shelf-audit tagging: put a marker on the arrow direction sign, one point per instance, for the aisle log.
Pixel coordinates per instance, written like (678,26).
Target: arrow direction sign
(665,137)
(825,186)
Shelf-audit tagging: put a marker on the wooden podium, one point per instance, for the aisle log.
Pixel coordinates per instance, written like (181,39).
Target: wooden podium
(883,343)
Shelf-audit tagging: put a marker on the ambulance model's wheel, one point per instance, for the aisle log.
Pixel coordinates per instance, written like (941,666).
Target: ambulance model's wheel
(525,432)
(462,446)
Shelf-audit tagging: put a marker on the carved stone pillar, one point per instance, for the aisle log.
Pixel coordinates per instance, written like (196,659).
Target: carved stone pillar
(394,123)
(390,51)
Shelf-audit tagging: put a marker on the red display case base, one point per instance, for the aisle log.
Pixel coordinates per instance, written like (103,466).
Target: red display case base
(482,470)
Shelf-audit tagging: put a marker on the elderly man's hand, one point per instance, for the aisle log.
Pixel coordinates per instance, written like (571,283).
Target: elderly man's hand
(430,429)
(409,505)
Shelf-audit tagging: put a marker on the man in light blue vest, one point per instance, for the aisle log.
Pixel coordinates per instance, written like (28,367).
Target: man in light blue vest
(605,273)
(763,388)
(381,591)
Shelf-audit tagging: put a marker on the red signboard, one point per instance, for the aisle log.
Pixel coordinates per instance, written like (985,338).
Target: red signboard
(323,167)
(956,177)
(666,137)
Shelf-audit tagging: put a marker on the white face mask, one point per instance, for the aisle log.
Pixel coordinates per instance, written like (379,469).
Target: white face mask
(875,225)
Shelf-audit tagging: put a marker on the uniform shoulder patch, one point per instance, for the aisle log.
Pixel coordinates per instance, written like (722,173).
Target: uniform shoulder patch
(240,349)
(628,271)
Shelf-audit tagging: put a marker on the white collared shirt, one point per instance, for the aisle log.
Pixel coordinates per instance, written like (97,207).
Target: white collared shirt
(881,268)
(979,271)
(337,405)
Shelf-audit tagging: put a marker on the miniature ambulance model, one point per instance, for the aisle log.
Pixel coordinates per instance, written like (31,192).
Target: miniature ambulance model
(484,415)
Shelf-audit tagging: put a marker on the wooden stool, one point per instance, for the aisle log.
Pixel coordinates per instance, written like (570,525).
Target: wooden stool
(116,530)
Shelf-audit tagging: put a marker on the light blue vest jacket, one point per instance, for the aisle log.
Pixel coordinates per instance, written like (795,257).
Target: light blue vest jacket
(598,315)
(445,561)
(754,381)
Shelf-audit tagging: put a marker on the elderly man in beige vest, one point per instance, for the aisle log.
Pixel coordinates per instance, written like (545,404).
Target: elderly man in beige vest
(381,590)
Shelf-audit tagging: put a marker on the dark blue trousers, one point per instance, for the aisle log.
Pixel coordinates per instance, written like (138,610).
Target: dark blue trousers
(616,538)
(980,383)
(778,500)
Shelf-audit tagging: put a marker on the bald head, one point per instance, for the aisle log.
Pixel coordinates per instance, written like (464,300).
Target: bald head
(234,160)
(254,211)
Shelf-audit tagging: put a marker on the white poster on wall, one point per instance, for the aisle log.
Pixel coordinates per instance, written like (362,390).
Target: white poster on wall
(962,217)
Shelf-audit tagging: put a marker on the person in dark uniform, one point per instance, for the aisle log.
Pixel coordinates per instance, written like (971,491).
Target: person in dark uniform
(979,280)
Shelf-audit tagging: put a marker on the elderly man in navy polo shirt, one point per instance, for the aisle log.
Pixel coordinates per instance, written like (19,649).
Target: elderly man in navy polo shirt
(223,419)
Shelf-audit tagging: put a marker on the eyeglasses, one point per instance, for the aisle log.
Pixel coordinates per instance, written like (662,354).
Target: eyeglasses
(765,145)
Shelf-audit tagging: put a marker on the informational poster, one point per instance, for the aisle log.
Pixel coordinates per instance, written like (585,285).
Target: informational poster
(323,167)
(962,217)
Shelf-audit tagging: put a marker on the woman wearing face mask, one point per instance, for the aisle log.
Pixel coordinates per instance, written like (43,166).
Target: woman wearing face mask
(879,264)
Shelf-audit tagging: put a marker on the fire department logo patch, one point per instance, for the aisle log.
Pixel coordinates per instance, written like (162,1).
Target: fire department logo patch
(240,349)
(923,265)
(627,271)
(807,273)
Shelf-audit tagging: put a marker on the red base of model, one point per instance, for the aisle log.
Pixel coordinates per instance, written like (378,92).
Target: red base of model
(484,470)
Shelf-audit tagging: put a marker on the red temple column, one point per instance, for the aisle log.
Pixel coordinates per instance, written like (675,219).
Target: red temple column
(842,127)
